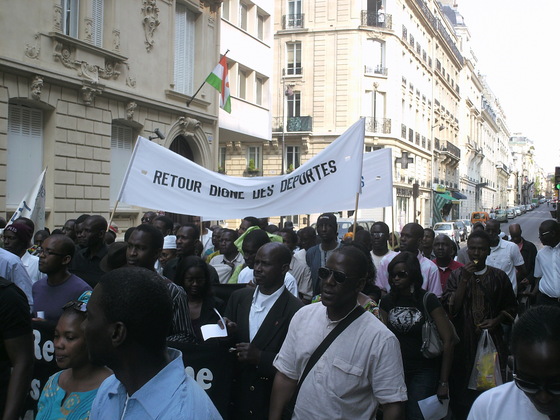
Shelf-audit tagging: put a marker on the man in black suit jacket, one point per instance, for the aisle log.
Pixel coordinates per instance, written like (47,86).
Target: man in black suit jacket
(258,321)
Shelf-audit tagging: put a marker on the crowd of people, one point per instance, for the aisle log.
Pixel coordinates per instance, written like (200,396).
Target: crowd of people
(318,326)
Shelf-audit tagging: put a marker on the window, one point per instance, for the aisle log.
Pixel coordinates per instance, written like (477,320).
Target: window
(254,157)
(225,9)
(294,104)
(295,18)
(375,53)
(97,14)
(292,157)
(184,49)
(121,152)
(222,160)
(294,57)
(243,12)
(70,17)
(260,26)
(242,84)
(292,218)
(259,93)
(25,145)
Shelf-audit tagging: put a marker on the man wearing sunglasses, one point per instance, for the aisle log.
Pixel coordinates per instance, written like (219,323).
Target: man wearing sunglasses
(59,286)
(534,393)
(547,265)
(360,370)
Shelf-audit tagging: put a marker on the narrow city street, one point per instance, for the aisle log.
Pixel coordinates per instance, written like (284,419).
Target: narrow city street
(530,223)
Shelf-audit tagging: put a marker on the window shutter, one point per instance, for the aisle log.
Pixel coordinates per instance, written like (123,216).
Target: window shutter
(121,152)
(25,151)
(184,49)
(97,15)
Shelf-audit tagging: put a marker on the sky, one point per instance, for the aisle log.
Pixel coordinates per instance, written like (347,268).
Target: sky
(516,44)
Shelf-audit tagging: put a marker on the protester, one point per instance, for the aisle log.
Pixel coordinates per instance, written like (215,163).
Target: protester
(39,237)
(253,240)
(535,391)
(17,237)
(410,240)
(230,261)
(529,253)
(298,268)
(143,249)
(59,286)
(547,270)
(81,241)
(168,252)
(128,317)
(477,297)
(444,250)
(12,269)
(187,237)
(194,277)
(462,254)
(215,248)
(16,347)
(258,320)
(164,224)
(148,217)
(404,310)
(317,256)
(85,263)
(69,229)
(69,393)
(246,223)
(428,243)
(347,381)
(379,242)
(504,255)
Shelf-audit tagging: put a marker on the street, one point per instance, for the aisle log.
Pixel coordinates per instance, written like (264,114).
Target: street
(530,223)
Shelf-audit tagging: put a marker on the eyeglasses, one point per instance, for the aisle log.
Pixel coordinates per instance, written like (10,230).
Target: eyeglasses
(77,305)
(48,252)
(548,232)
(533,388)
(146,219)
(377,235)
(324,273)
(400,274)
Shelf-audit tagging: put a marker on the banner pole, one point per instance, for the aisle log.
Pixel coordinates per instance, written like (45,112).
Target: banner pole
(198,90)
(112,215)
(391,235)
(355,215)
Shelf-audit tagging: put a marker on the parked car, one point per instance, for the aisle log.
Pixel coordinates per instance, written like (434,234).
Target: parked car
(448,228)
(344,224)
(511,213)
(517,211)
(501,215)
(462,230)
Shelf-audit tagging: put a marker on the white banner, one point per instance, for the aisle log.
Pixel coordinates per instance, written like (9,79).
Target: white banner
(377,180)
(33,204)
(158,178)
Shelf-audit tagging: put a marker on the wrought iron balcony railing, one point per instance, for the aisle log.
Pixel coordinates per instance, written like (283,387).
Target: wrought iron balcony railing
(293,21)
(378,125)
(379,20)
(293,124)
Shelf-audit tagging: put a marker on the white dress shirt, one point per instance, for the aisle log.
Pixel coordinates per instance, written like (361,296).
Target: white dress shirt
(260,307)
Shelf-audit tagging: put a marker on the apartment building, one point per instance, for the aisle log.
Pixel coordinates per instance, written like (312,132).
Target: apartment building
(81,79)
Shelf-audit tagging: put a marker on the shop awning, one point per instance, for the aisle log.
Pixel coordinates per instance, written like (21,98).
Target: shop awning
(440,200)
(444,196)
(458,195)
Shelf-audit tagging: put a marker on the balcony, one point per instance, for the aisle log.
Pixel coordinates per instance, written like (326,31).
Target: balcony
(378,125)
(293,124)
(451,153)
(370,18)
(294,21)
(377,70)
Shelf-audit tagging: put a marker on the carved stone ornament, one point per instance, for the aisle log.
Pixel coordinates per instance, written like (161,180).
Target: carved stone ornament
(272,145)
(88,29)
(36,87)
(188,125)
(130,79)
(304,145)
(116,40)
(32,51)
(150,22)
(57,17)
(89,93)
(214,5)
(130,108)
(65,54)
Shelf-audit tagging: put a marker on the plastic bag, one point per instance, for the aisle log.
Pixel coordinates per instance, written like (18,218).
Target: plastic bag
(486,370)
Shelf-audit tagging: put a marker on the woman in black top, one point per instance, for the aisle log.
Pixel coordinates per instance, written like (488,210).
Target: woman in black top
(193,275)
(402,310)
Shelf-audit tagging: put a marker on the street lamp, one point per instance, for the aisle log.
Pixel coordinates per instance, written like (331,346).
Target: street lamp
(440,128)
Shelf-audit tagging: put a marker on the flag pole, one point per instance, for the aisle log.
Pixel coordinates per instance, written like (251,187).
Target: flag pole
(112,215)
(198,90)
(355,215)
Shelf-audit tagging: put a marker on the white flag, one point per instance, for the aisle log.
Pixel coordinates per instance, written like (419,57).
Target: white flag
(159,178)
(33,204)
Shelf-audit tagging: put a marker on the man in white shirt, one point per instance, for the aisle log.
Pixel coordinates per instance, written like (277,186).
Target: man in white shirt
(504,255)
(547,265)
(411,238)
(228,263)
(534,393)
(257,321)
